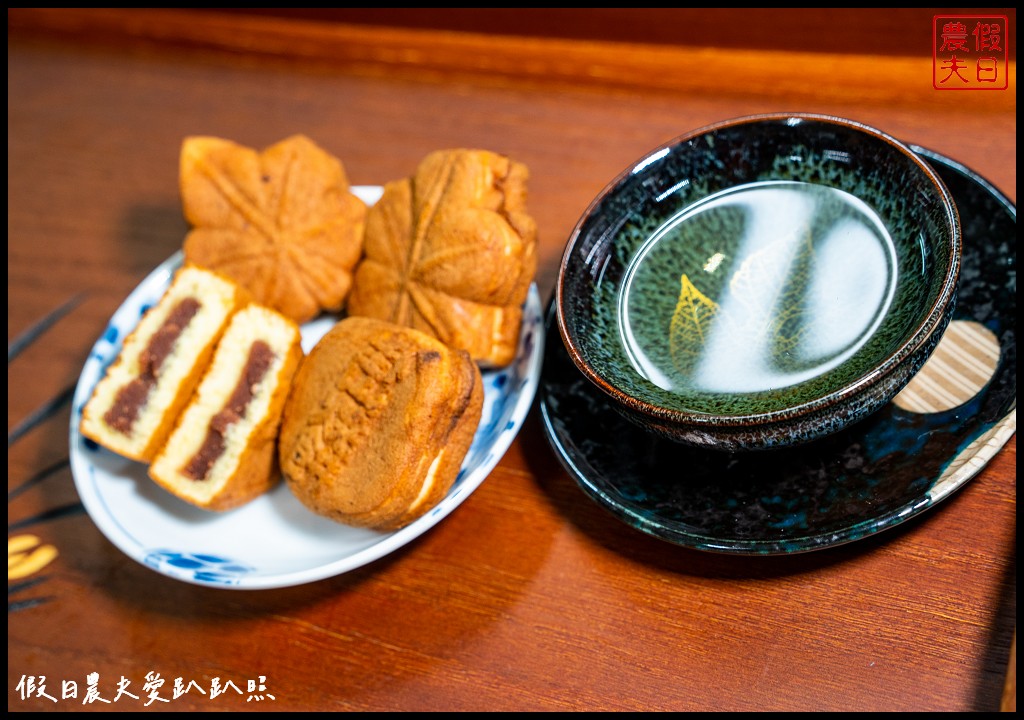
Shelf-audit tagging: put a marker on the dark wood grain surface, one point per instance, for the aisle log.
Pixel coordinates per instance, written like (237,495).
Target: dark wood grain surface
(529,596)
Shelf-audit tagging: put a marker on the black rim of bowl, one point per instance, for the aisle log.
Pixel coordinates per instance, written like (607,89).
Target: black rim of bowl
(932,321)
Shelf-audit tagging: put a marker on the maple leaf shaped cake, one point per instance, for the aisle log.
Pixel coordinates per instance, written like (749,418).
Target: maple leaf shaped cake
(451,251)
(282,223)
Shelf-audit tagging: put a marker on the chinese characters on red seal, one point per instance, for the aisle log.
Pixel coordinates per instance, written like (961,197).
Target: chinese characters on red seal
(970,52)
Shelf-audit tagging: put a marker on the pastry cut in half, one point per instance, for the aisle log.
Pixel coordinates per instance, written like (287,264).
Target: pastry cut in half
(223,451)
(134,406)
(378,423)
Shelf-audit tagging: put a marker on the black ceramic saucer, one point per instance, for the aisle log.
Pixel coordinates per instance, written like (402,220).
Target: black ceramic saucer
(872,476)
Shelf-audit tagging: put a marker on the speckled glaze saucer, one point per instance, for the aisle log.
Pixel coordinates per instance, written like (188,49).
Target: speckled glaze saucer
(899,462)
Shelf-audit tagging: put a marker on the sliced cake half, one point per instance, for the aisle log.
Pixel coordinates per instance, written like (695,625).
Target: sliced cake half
(134,406)
(223,452)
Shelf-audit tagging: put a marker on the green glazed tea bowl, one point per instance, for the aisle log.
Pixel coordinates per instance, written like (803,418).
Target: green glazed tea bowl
(761,282)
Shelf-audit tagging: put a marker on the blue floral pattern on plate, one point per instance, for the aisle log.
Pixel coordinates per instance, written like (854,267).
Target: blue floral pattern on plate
(208,568)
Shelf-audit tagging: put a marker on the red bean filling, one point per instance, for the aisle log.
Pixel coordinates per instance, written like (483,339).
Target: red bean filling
(256,367)
(131,398)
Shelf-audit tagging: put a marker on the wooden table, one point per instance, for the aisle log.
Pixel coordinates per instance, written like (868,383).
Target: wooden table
(529,596)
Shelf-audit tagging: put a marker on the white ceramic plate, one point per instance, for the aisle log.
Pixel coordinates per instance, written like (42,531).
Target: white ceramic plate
(273,541)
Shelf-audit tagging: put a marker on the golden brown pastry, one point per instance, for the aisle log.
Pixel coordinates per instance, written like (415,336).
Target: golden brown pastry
(134,406)
(378,423)
(451,252)
(281,222)
(223,451)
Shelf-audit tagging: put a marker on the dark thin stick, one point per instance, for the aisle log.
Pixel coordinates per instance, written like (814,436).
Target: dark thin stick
(37,478)
(43,412)
(13,606)
(26,604)
(14,347)
(56,513)
(18,587)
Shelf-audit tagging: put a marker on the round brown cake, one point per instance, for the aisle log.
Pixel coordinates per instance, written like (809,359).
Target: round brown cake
(378,423)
